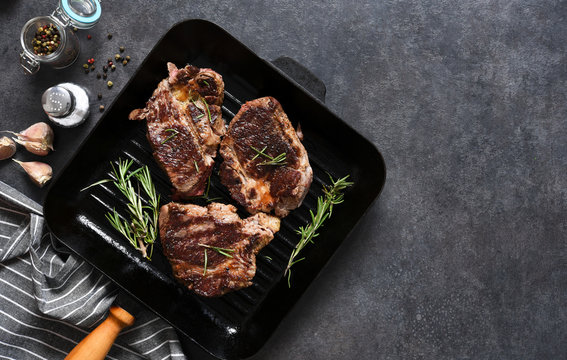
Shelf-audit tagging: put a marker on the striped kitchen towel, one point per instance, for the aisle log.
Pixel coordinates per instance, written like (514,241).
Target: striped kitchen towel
(50,299)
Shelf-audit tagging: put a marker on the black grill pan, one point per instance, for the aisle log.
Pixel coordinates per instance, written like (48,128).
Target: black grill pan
(236,325)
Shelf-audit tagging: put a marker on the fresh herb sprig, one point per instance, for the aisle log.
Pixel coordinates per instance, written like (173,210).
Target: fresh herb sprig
(205,195)
(208,111)
(278,160)
(174,134)
(205,265)
(332,195)
(223,251)
(142,229)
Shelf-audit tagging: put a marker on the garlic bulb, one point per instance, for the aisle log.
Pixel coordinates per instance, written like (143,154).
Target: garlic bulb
(39,172)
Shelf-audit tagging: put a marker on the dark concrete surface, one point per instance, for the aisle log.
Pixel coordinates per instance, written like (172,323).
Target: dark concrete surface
(465,253)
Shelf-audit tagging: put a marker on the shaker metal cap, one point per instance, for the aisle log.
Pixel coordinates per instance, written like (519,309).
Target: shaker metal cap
(66,104)
(57,101)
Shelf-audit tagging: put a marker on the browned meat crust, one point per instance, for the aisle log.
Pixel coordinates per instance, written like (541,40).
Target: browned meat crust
(262,123)
(184,227)
(185,124)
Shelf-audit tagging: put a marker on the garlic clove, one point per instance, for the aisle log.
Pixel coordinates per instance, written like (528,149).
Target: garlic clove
(39,132)
(39,172)
(34,147)
(7,148)
(37,139)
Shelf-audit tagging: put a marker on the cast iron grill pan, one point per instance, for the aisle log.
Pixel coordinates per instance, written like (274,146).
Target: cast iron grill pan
(237,324)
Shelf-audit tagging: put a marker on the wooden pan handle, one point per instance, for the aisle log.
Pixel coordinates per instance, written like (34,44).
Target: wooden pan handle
(97,344)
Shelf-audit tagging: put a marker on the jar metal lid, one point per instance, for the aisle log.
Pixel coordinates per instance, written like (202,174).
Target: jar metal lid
(83,14)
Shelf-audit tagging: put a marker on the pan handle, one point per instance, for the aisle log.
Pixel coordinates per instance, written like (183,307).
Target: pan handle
(97,344)
(301,75)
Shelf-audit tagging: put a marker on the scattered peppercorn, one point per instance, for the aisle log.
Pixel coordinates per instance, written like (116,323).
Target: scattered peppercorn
(90,61)
(99,96)
(89,37)
(124,62)
(101,108)
(98,75)
(122,48)
(105,68)
(75,29)
(86,66)
(109,84)
(92,67)
(117,57)
(46,40)
(86,71)
(104,76)
(109,36)
(113,67)
(110,63)
(128,57)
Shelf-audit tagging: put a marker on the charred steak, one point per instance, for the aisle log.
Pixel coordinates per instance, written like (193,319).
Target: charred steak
(190,233)
(185,124)
(256,182)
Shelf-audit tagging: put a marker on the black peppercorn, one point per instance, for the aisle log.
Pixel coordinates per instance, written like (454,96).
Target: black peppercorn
(124,62)
(98,75)
(105,68)
(104,76)
(99,96)
(109,36)
(101,108)
(122,48)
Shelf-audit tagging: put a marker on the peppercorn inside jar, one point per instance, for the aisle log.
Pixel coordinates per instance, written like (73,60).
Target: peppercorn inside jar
(45,40)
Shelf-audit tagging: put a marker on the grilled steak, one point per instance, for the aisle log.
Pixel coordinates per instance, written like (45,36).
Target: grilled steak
(184,126)
(190,233)
(259,133)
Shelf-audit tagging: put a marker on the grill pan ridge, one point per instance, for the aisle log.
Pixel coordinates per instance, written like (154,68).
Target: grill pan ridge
(237,324)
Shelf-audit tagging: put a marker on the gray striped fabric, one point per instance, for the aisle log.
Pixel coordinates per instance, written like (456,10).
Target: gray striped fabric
(50,299)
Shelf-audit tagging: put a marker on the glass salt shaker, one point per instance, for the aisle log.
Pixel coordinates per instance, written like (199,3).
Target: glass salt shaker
(56,44)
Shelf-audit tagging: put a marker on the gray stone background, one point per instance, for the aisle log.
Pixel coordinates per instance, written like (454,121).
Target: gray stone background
(464,254)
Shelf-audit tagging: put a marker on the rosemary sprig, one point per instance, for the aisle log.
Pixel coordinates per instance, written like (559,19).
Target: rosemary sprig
(196,166)
(208,111)
(142,229)
(174,133)
(278,160)
(205,266)
(206,83)
(206,108)
(199,116)
(205,195)
(332,195)
(222,251)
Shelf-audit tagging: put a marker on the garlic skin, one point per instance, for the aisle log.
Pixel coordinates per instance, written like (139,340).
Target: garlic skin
(7,148)
(37,139)
(39,172)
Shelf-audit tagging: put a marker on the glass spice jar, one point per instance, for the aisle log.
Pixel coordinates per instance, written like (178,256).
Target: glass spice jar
(62,50)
